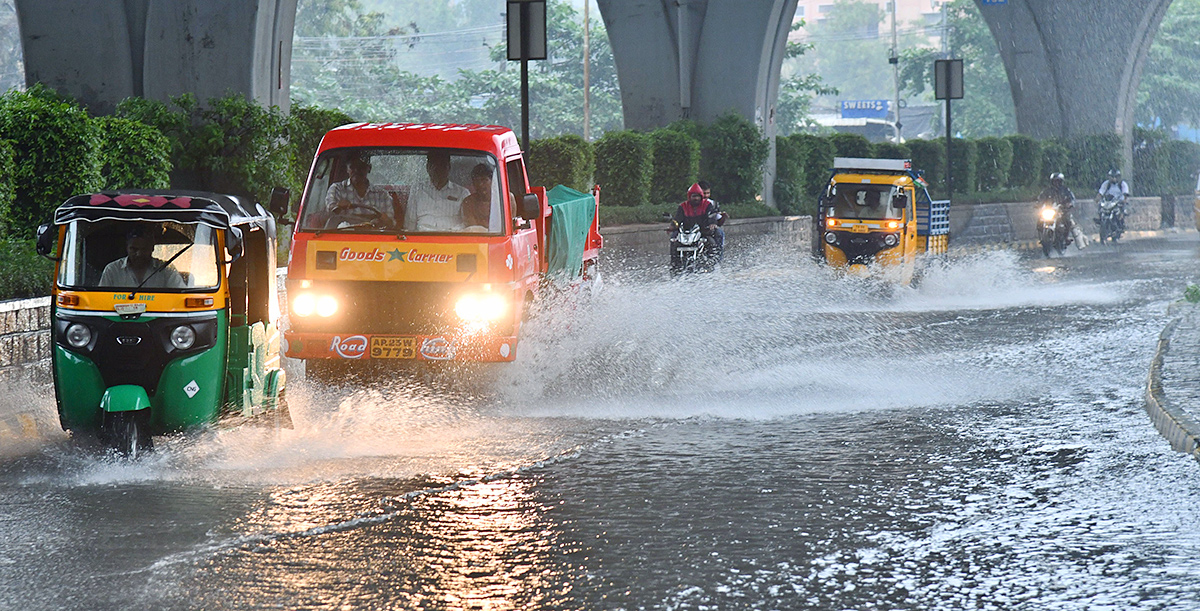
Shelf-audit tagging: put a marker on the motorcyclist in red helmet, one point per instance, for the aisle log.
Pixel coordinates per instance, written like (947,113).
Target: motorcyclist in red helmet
(697,210)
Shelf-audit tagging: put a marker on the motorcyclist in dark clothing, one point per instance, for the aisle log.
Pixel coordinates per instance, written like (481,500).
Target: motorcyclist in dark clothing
(698,211)
(718,233)
(1058,193)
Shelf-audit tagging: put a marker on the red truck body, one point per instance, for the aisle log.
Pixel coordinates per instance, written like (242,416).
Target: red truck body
(407,285)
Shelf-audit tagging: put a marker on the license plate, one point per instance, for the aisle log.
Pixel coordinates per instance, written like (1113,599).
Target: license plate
(393,347)
(688,248)
(860,228)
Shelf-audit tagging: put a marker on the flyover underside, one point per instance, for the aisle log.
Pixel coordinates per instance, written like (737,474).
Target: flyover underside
(103,51)
(1074,67)
(699,59)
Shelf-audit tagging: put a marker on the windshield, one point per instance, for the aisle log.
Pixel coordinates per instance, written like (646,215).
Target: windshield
(404,190)
(851,201)
(163,257)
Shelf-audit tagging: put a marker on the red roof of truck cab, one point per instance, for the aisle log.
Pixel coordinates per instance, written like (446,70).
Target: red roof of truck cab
(493,138)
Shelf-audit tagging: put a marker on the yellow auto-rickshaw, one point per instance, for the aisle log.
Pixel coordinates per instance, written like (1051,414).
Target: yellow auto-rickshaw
(876,216)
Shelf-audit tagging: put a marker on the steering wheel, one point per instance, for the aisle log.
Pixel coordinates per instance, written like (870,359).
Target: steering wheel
(378,219)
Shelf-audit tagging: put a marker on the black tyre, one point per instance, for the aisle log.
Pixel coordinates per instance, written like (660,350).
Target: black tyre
(1045,247)
(128,433)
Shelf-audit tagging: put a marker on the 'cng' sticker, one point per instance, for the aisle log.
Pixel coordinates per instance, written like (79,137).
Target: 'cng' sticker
(191,389)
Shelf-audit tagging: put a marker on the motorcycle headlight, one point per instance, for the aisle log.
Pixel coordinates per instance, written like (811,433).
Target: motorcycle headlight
(891,239)
(78,335)
(831,238)
(183,337)
(304,305)
(326,306)
(481,308)
(1048,214)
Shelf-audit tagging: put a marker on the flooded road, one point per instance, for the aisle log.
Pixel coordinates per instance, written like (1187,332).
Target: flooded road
(766,437)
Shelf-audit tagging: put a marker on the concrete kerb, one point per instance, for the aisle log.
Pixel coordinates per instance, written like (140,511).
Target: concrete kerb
(1173,423)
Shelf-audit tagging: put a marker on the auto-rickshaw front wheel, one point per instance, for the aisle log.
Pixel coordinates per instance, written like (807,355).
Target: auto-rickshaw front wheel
(128,433)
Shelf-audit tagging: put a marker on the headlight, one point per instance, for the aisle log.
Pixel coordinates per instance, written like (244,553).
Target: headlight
(891,239)
(1048,214)
(78,335)
(326,306)
(831,238)
(183,337)
(479,308)
(304,304)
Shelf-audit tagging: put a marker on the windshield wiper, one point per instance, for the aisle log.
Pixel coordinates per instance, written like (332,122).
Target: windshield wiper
(160,268)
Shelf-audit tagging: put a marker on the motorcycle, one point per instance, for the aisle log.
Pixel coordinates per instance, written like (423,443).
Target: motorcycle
(691,251)
(1111,219)
(1053,232)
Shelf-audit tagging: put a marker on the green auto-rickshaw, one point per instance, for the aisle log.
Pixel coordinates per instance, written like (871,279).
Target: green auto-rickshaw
(164,313)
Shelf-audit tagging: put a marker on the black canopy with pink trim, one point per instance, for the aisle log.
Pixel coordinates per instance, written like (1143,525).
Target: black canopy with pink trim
(191,207)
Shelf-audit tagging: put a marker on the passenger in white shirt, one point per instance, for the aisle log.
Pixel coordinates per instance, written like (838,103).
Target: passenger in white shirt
(436,206)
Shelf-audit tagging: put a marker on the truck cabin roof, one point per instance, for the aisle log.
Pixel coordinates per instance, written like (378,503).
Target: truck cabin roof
(494,138)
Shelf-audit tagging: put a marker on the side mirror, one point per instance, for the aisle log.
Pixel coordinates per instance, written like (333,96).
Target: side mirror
(531,207)
(233,243)
(46,238)
(281,200)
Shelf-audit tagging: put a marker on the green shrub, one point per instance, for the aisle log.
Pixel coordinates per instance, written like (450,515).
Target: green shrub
(563,160)
(994,160)
(818,161)
(964,157)
(307,125)
(890,150)
(1181,161)
(57,156)
(1026,167)
(732,154)
(851,145)
(23,273)
(676,165)
(1149,171)
(1091,157)
(8,189)
(789,185)
(624,165)
(134,155)
(232,145)
(929,158)
(1054,159)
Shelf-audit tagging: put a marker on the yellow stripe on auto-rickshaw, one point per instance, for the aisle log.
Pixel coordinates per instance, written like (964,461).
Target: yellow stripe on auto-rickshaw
(107,300)
(396,260)
(900,180)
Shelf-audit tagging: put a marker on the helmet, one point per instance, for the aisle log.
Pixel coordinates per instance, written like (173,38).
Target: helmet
(1056,178)
(1114,174)
(696,190)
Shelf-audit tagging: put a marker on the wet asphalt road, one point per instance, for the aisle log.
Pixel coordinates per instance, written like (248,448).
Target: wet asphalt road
(766,437)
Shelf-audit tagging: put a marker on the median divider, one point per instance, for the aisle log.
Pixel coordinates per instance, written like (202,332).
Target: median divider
(1168,407)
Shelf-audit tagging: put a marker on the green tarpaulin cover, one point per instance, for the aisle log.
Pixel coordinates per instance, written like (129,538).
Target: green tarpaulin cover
(570,222)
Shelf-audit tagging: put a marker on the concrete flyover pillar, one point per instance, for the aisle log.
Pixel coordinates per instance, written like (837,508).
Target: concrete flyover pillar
(699,59)
(1074,67)
(103,51)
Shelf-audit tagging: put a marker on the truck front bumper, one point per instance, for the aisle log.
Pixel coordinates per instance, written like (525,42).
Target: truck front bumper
(464,347)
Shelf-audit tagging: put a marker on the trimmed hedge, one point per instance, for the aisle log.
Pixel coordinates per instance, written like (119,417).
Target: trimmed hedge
(1091,157)
(1055,159)
(306,127)
(851,145)
(1026,170)
(676,165)
(563,160)
(1180,160)
(134,155)
(8,188)
(964,158)
(789,174)
(818,161)
(58,154)
(994,160)
(624,166)
(890,150)
(732,154)
(929,158)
